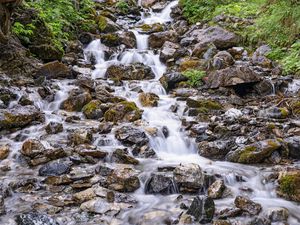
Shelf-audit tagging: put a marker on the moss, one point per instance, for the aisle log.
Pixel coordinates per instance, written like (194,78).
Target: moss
(288,184)
(129,106)
(102,23)
(110,39)
(156,27)
(246,155)
(204,103)
(91,106)
(271,126)
(284,112)
(123,111)
(110,115)
(295,106)
(191,65)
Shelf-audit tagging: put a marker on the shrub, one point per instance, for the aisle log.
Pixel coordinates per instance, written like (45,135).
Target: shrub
(194,77)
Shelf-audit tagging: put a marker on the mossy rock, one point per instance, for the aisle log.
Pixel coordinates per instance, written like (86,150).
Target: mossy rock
(289,185)
(110,39)
(151,28)
(204,104)
(92,110)
(295,106)
(148,99)
(192,64)
(123,112)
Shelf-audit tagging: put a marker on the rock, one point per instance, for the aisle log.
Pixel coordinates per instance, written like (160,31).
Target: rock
(105,127)
(259,220)
(2,206)
(110,39)
(255,153)
(137,71)
(233,114)
(129,136)
(123,179)
(81,136)
(54,70)
(92,151)
(46,52)
(32,148)
(144,152)
(157,40)
(222,60)
(19,117)
(128,39)
(123,112)
(247,205)
(7,95)
(122,156)
(278,214)
(216,190)
(232,76)
(105,96)
(265,87)
(204,105)
(55,168)
(189,178)
(4,151)
(24,100)
(106,25)
(202,208)
(288,187)
(34,219)
(216,150)
(170,80)
(259,57)
(160,183)
(93,110)
(54,128)
(207,49)
(170,50)
(76,100)
(86,38)
(148,3)
(229,212)
(293,144)
(148,99)
(221,222)
(274,112)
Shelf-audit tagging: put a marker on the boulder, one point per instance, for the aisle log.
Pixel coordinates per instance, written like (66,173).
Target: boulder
(122,156)
(90,151)
(160,183)
(55,168)
(157,40)
(81,136)
(76,100)
(33,218)
(93,110)
(54,128)
(216,189)
(232,76)
(128,39)
(32,148)
(170,80)
(46,52)
(255,153)
(129,136)
(4,151)
(202,209)
(106,25)
(189,178)
(222,60)
(148,99)
(274,112)
(54,70)
(19,117)
(170,50)
(278,214)
(137,71)
(259,57)
(293,144)
(123,112)
(110,39)
(247,205)
(288,187)
(216,150)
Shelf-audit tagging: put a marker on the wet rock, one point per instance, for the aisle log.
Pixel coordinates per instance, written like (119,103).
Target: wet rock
(293,144)
(81,136)
(221,222)
(259,57)
(264,87)
(47,155)
(105,127)
(129,135)
(288,187)
(76,100)
(7,95)
(128,39)
(34,219)
(54,70)
(32,148)
(204,50)
(58,180)
(144,152)
(19,117)
(247,205)
(222,60)
(2,206)
(103,94)
(110,39)
(203,209)
(122,156)
(214,149)
(4,151)
(259,220)
(137,71)
(54,128)
(278,214)
(106,25)
(46,52)
(170,80)
(203,105)
(229,212)
(170,51)
(216,190)
(232,76)
(86,38)
(155,216)
(24,100)
(255,153)
(92,110)
(89,150)
(55,168)
(123,179)
(274,112)
(148,99)
(157,40)
(189,178)
(160,183)
(123,112)
(233,114)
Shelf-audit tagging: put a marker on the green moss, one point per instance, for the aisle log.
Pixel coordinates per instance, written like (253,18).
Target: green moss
(121,110)
(288,185)
(91,106)
(102,23)
(246,154)
(284,112)
(204,104)
(129,106)
(122,6)
(110,115)
(295,106)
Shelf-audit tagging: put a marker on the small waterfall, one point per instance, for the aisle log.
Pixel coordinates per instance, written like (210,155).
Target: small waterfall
(141,40)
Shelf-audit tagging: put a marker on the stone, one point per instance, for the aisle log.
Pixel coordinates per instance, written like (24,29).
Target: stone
(160,183)
(170,80)
(278,214)
(274,112)
(144,152)
(202,208)
(148,99)
(232,76)
(255,153)
(137,71)
(169,51)
(54,128)
(129,136)
(216,189)
(293,144)
(123,112)
(32,148)
(128,39)
(189,178)
(259,57)
(81,136)
(106,25)
(34,219)
(46,52)
(288,185)
(55,168)
(4,151)
(93,110)
(92,151)
(19,117)
(76,101)
(86,38)
(110,39)
(54,70)
(122,156)
(222,60)
(157,40)
(216,150)
(247,205)
(221,222)
(24,100)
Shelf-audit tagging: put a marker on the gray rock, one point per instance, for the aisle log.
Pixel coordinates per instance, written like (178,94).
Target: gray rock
(203,209)
(54,128)
(34,219)
(170,80)
(278,214)
(247,205)
(293,144)
(55,168)
(129,135)
(160,183)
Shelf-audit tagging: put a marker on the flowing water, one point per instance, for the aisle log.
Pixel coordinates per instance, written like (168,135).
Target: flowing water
(176,148)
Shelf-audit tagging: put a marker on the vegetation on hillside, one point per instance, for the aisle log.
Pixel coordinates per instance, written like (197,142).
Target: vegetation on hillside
(274,22)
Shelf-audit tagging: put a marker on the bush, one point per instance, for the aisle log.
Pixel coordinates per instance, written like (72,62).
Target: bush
(122,6)
(194,77)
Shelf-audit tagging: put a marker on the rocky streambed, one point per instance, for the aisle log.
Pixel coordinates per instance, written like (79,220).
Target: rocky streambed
(114,134)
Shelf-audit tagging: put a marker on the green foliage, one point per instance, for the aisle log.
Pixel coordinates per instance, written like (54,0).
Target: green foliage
(122,6)
(25,31)
(194,77)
